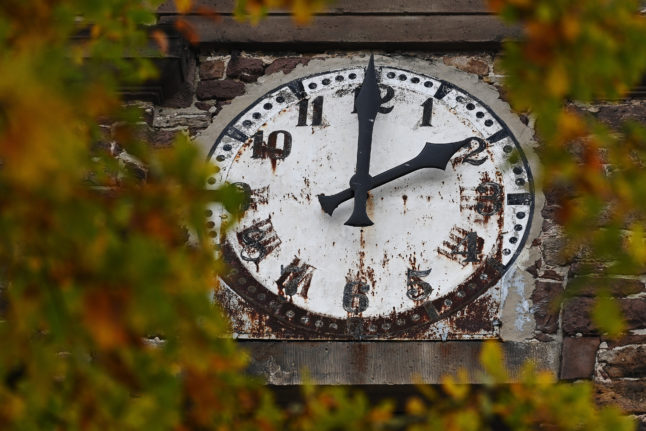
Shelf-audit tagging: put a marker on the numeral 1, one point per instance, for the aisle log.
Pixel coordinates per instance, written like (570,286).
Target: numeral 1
(317,111)
(428,112)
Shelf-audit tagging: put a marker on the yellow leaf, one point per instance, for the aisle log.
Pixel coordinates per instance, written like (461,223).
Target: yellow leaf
(456,390)
(415,406)
(183,6)
(493,361)
(557,80)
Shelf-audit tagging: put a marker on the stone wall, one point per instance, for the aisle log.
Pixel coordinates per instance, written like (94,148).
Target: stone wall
(618,367)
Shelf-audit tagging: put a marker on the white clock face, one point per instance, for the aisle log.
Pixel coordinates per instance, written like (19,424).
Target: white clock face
(440,238)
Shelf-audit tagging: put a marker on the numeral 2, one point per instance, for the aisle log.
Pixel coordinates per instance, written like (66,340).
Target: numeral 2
(262,150)
(469,158)
(317,111)
(355,299)
(390,93)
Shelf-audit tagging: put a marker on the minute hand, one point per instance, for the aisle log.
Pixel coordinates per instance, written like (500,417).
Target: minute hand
(432,156)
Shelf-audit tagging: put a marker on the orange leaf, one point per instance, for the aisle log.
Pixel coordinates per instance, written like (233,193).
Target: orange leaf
(162,41)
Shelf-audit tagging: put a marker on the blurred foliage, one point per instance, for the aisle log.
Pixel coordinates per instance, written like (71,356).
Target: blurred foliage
(573,53)
(106,269)
(535,401)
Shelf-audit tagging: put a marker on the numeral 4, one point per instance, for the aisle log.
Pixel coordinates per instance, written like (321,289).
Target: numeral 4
(462,242)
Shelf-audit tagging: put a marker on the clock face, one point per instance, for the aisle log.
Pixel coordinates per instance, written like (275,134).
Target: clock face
(441,238)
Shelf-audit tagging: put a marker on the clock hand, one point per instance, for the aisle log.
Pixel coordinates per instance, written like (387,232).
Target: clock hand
(367,106)
(432,156)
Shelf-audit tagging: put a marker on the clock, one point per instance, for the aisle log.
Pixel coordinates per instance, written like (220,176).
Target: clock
(381,201)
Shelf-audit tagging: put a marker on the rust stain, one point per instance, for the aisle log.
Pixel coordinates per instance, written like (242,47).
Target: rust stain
(476,317)
(258,197)
(405,198)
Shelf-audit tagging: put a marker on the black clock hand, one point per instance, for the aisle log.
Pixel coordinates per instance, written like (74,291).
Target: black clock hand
(432,156)
(367,105)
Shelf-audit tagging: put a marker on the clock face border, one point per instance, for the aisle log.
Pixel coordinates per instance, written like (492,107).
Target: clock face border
(486,276)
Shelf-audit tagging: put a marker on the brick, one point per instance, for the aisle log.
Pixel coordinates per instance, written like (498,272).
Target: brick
(192,120)
(162,138)
(625,340)
(641,422)
(629,361)
(576,315)
(213,69)
(590,286)
(546,312)
(629,395)
(616,114)
(578,356)
(286,65)
(533,269)
(551,275)
(554,252)
(219,90)
(245,69)
(475,65)
(587,267)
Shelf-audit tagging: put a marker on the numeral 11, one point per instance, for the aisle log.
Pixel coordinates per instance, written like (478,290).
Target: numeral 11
(317,111)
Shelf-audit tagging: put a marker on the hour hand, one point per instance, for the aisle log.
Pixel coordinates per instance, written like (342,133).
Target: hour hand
(432,156)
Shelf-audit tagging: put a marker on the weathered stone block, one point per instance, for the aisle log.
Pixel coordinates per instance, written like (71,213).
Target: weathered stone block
(212,69)
(577,319)
(625,340)
(220,90)
(286,65)
(193,120)
(546,311)
(590,286)
(477,65)
(554,248)
(641,423)
(245,69)
(630,395)
(578,356)
(614,115)
(628,361)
